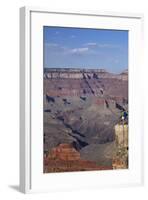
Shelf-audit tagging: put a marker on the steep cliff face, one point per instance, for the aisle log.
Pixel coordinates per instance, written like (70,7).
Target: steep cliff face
(121,134)
(60,82)
(82,73)
(120,159)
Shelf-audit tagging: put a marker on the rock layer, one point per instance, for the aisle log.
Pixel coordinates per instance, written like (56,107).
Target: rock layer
(64,158)
(71,73)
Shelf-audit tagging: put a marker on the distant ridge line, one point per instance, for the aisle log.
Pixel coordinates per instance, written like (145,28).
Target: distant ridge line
(75,69)
(54,69)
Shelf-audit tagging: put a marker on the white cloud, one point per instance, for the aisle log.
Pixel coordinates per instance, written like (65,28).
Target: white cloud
(79,50)
(90,44)
(107,46)
(100,45)
(55,48)
(104,45)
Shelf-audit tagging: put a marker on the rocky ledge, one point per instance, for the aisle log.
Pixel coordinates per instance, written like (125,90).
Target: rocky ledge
(68,73)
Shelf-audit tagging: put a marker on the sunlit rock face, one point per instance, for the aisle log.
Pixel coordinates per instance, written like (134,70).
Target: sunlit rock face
(120,158)
(69,73)
(64,152)
(71,82)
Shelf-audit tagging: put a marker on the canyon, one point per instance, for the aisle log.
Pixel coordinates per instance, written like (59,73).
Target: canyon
(81,110)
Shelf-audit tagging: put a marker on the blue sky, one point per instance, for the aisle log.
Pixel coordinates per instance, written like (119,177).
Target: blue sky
(85,48)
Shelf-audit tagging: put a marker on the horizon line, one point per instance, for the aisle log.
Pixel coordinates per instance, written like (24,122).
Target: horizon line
(85,69)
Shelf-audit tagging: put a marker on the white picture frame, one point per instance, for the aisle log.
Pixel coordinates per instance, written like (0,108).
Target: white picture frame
(32,178)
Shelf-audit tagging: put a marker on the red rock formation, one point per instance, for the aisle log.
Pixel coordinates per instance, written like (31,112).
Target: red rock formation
(64,152)
(64,158)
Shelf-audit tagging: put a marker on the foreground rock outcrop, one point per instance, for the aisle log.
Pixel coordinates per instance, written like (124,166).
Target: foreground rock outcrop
(65,158)
(120,159)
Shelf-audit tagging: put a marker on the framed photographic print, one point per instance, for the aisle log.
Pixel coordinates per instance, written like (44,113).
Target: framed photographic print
(81,100)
